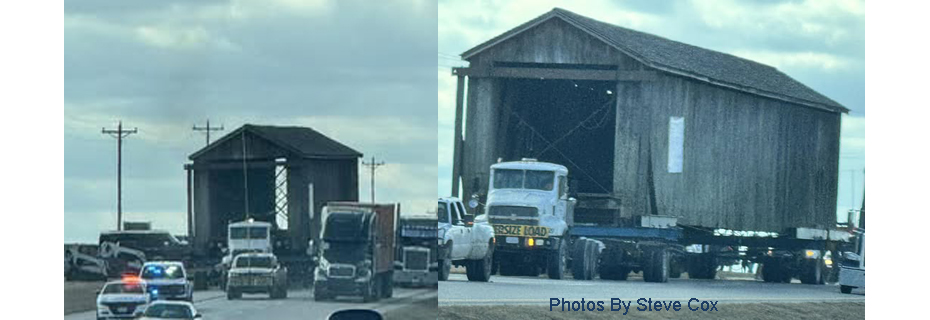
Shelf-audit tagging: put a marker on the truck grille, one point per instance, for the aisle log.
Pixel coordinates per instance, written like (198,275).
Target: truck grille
(416,259)
(173,289)
(123,308)
(251,280)
(341,271)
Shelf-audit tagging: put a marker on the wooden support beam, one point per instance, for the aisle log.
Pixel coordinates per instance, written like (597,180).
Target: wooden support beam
(554,73)
(457,143)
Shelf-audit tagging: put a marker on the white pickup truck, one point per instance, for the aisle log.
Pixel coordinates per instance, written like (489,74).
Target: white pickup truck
(463,242)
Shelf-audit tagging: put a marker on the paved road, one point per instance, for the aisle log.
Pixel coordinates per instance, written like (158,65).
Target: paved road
(532,291)
(298,305)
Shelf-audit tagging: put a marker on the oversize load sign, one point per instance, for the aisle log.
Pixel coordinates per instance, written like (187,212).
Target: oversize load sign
(521,231)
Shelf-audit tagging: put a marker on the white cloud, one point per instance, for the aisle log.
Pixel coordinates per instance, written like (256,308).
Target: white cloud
(797,60)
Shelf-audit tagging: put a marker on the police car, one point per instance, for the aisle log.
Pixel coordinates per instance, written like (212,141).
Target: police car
(124,299)
(167,280)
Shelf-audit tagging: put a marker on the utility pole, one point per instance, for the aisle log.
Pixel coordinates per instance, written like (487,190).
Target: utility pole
(207,129)
(372,165)
(119,134)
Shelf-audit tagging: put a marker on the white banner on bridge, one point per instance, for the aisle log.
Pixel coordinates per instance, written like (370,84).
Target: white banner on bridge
(676,144)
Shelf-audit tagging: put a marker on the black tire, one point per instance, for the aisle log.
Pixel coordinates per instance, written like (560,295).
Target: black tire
(495,266)
(674,268)
(480,270)
(661,264)
(556,262)
(371,294)
(233,295)
(648,267)
(388,290)
(445,265)
(813,272)
(846,289)
(320,294)
(580,259)
(592,260)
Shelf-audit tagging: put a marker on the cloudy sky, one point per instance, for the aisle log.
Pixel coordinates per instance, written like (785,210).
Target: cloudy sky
(820,43)
(358,71)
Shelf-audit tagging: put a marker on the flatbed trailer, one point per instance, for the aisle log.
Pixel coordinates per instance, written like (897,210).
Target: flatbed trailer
(662,253)
(537,231)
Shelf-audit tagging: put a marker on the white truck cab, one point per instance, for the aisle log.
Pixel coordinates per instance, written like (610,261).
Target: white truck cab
(464,243)
(247,236)
(530,210)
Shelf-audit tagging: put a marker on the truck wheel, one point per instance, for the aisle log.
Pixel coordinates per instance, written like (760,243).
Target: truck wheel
(388,289)
(557,261)
(592,261)
(320,294)
(373,292)
(480,270)
(846,289)
(812,272)
(580,259)
(674,268)
(660,263)
(445,265)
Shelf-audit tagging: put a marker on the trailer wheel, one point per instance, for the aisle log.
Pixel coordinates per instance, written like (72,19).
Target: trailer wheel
(580,259)
(656,268)
(846,289)
(557,261)
(674,268)
(592,263)
(812,272)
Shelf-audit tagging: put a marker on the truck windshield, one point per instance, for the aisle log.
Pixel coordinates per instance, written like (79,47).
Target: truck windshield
(346,226)
(523,179)
(125,288)
(162,272)
(253,262)
(238,233)
(443,213)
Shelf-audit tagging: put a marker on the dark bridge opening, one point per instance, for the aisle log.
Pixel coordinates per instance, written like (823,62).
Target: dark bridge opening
(569,122)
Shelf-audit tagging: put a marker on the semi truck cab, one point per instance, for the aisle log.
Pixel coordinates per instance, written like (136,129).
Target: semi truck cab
(529,207)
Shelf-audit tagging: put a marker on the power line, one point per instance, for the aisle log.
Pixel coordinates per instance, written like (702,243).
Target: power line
(119,134)
(207,129)
(373,166)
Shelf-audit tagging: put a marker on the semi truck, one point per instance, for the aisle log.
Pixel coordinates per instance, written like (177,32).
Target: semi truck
(531,207)
(415,261)
(356,256)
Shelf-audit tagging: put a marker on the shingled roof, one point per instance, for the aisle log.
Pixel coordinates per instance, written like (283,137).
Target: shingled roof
(303,141)
(686,60)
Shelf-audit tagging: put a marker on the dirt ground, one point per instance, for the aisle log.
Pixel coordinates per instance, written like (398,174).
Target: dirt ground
(81,295)
(747,311)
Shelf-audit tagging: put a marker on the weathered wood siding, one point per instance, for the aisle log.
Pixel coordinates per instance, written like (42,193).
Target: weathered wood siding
(555,41)
(750,163)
